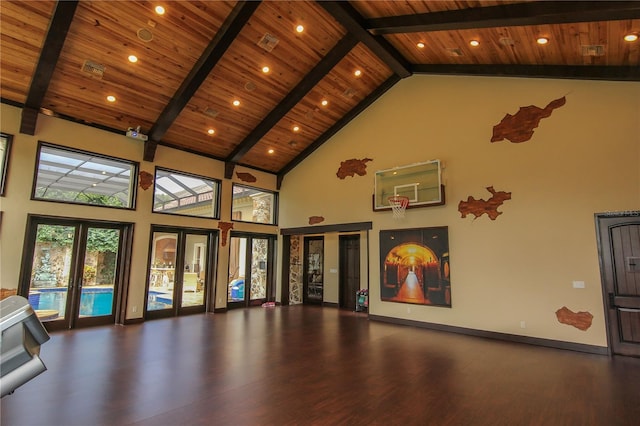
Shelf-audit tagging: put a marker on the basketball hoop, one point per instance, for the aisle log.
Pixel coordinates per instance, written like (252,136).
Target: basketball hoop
(398,204)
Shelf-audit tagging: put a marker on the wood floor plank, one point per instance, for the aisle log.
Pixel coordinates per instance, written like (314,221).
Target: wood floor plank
(314,366)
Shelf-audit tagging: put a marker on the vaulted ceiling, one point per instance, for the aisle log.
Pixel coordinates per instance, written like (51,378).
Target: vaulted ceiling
(200,82)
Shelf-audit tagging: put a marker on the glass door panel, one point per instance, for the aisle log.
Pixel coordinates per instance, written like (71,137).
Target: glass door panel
(162,271)
(259,258)
(99,272)
(194,275)
(250,277)
(51,272)
(313,270)
(237,268)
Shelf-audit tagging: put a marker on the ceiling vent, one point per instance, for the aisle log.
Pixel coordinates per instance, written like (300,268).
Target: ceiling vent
(349,93)
(94,69)
(454,51)
(145,35)
(268,42)
(250,86)
(211,112)
(506,41)
(593,50)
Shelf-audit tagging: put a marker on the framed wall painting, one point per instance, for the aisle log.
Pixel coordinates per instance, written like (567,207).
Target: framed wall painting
(415,266)
(5,148)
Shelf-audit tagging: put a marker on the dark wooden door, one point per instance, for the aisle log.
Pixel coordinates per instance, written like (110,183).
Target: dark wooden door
(619,246)
(349,270)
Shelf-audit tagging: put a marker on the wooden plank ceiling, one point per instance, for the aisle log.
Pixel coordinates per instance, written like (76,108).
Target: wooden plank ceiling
(195,60)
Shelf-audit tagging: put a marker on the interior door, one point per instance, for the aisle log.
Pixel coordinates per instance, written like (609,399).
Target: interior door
(619,246)
(349,270)
(73,272)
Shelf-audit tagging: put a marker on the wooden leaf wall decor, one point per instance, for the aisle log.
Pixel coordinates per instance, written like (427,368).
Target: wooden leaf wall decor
(353,167)
(246,177)
(480,207)
(519,127)
(315,219)
(580,320)
(145,179)
(225,227)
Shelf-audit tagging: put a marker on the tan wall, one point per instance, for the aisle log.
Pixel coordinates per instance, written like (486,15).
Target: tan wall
(581,160)
(17,204)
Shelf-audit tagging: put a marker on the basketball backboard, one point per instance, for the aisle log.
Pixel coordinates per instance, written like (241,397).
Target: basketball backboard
(420,182)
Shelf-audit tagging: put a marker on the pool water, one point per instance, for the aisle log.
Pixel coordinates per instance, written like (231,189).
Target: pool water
(93,301)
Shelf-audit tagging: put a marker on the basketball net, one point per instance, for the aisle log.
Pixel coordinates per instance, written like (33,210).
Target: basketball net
(398,205)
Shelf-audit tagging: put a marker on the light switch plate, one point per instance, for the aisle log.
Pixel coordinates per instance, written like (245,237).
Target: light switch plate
(578,284)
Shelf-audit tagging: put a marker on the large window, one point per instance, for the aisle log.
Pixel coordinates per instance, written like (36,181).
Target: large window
(5,148)
(81,177)
(185,194)
(254,205)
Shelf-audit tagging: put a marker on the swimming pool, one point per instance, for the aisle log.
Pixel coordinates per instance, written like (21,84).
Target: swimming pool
(93,301)
(159,300)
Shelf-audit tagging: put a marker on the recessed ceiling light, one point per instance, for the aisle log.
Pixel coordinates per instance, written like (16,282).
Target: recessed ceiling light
(357,73)
(271,151)
(324,102)
(420,45)
(265,69)
(211,132)
(296,128)
(236,102)
(299,28)
(159,10)
(133,59)
(631,37)
(474,43)
(111,98)
(542,40)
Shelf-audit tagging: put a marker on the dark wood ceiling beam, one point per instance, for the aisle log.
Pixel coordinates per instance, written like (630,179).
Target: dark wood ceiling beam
(322,68)
(227,33)
(353,113)
(354,23)
(534,13)
(49,55)
(575,72)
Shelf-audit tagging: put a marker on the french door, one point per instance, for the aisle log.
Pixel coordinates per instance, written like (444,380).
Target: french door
(180,267)
(251,261)
(313,274)
(73,270)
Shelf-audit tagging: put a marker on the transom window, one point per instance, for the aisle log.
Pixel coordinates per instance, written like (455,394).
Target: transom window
(81,177)
(185,194)
(253,205)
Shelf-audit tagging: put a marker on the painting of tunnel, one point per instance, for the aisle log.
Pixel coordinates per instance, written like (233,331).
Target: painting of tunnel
(415,267)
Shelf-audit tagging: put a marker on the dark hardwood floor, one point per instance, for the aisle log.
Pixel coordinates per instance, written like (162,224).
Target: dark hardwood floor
(311,365)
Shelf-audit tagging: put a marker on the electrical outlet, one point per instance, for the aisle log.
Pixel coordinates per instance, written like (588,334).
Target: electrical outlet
(134,309)
(523,324)
(408,310)
(578,284)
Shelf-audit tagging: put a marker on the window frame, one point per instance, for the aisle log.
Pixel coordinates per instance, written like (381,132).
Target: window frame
(133,181)
(275,204)
(5,161)
(218,182)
